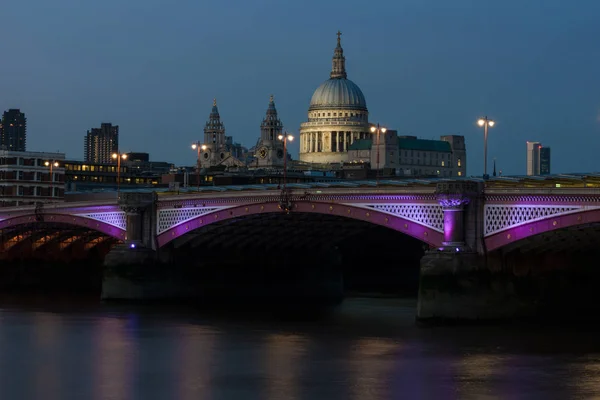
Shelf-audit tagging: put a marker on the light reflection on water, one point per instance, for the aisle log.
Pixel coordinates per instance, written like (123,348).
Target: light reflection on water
(366,349)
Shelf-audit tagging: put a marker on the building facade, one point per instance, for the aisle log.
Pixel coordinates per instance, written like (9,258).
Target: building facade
(269,149)
(100,144)
(84,176)
(545,161)
(28,177)
(409,156)
(538,159)
(337,116)
(13,131)
(215,151)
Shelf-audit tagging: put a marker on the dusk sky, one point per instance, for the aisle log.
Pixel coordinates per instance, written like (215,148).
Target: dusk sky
(426,67)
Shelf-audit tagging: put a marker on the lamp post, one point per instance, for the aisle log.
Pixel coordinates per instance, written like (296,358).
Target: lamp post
(51,164)
(485,122)
(284,138)
(118,156)
(198,146)
(377,129)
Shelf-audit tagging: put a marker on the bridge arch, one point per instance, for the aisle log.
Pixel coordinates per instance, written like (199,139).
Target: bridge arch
(514,234)
(424,233)
(76,220)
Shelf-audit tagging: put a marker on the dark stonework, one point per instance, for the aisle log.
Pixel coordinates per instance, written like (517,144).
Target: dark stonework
(460,286)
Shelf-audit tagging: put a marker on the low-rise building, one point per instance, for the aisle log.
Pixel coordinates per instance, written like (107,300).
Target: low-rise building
(410,156)
(84,176)
(29,177)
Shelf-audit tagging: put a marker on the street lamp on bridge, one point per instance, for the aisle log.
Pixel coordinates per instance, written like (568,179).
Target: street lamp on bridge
(51,164)
(284,138)
(485,122)
(118,156)
(377,129)
(198,146)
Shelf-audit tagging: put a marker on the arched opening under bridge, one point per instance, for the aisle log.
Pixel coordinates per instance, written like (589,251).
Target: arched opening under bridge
(44,255)
(273,252)
(557,270)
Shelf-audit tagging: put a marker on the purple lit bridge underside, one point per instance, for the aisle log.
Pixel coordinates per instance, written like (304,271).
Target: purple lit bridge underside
(105,228)
(411,228)
(506,219)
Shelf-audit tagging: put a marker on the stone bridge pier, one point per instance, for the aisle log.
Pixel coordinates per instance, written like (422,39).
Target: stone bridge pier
(130,265)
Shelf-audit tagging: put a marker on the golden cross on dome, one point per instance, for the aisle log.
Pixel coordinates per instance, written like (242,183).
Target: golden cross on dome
(338,35)
(271,98)
(214,102)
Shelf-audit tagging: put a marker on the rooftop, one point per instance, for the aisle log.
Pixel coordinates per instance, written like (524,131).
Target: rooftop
(424,145)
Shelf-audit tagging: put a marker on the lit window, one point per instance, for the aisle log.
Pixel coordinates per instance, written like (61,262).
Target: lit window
(443,164)
(459,164)
(459,173)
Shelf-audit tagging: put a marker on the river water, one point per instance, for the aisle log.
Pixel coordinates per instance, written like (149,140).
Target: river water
(364,349)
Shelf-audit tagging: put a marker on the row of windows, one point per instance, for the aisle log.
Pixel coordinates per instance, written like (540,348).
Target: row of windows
(113,179)
(93,168)
(335,114)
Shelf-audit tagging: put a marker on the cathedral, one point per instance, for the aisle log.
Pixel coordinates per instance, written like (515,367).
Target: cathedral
(337,116)
(337,133)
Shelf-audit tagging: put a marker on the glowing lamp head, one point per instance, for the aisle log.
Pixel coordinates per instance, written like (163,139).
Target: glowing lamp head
(114,155)
(203,147)
(491,123)
(280,137)
(194,146)
(124,156)
(481,122)
(290,138)
(373,129)
(56,164)
(383,130)
(47,163)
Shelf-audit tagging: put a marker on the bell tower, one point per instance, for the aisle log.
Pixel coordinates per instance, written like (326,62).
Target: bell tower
(214,130)
(269,150)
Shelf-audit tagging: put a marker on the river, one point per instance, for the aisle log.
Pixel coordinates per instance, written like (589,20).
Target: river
(75,348)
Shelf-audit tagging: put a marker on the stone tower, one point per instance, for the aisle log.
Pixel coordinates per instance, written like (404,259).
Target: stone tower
(269,150)
(214,139)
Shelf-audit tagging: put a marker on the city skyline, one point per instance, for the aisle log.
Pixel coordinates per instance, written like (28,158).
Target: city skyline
(434,71)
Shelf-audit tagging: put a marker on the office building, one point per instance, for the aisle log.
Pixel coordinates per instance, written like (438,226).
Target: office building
(28,177)
(13,130)
(101,143)
(538,159)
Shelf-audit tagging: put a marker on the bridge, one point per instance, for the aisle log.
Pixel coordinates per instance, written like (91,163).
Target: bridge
(478,234)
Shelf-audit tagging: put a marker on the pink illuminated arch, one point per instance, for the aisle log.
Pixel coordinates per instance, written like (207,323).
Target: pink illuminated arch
(411,228)
(512,235)
(107,229)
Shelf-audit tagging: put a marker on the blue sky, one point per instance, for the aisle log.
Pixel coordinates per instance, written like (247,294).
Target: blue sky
(426,67)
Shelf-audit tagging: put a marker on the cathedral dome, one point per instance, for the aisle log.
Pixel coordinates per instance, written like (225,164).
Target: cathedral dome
(338,93)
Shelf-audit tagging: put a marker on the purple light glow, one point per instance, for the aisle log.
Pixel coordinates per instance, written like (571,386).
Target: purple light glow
(132,245)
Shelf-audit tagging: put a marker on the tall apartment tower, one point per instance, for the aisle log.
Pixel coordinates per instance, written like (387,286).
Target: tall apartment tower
(101,143)
(538,159)
(13,130)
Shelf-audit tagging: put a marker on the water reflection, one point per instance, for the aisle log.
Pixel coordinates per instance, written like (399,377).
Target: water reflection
(362,351)
(284,354)
(47,344)
(194,361)
(372,363)
(114,358)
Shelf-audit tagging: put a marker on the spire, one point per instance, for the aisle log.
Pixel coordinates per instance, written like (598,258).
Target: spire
(214,120)
(338,69)
(271,126)
(271,105)
(494,167)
